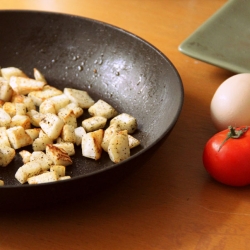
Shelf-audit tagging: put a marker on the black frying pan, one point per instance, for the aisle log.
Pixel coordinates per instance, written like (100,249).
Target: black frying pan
(108,62)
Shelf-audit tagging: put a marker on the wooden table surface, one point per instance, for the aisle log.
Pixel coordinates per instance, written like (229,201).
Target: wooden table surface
(171,202)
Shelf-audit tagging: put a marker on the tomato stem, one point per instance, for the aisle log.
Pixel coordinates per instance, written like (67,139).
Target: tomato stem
(234,134)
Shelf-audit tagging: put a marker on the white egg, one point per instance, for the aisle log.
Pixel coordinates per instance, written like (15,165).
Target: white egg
(230,104)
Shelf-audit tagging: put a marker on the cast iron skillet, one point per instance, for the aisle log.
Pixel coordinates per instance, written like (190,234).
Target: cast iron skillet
(108,62)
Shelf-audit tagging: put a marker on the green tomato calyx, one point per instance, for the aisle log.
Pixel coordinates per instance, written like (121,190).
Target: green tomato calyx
(233,134)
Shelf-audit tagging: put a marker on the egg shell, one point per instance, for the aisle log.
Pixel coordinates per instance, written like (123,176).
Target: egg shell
(230,104)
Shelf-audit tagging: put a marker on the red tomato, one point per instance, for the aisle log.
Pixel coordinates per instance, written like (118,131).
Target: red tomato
(226,156)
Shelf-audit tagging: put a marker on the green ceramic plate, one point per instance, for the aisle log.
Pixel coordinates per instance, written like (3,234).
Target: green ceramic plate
(224,39)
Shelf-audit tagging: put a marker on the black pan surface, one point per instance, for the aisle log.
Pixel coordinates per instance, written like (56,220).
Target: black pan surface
(108,62)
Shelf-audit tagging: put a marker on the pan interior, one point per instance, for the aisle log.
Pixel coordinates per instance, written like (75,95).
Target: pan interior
(108,62)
